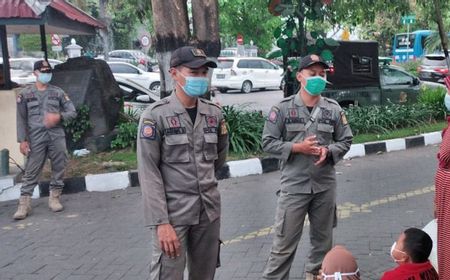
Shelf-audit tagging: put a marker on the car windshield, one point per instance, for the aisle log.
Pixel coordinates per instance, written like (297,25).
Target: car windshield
(434,61)
(225,64)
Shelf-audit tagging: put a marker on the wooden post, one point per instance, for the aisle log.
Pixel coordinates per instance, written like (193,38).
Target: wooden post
(5,52)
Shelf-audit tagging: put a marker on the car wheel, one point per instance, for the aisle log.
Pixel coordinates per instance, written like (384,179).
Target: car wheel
(155,87)
(246,87)
(223,90)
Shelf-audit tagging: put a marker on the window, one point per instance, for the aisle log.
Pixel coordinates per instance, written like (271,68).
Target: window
(267,65)
(255,64)
(402,41)
(391,76)
(122,68)
(226,64)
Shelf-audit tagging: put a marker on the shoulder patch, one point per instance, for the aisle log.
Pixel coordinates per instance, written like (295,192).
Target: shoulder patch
(148,129)
(343,118)
(273,114)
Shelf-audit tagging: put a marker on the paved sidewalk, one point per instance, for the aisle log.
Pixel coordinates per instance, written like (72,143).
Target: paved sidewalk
(100,235)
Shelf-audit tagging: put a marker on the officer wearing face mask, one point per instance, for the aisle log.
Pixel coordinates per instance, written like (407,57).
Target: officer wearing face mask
(309,134)
(41,108)
(182,141)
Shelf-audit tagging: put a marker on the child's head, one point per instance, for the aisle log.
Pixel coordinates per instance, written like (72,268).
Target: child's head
(339,263)
(412,246)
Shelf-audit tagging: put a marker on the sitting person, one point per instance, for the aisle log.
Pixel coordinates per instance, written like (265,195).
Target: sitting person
(411,252)
(339,264)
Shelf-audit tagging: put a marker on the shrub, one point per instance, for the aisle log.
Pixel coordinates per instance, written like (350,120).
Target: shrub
(78,126)
(126,131)
(434,97)
(382,119)
(244,128)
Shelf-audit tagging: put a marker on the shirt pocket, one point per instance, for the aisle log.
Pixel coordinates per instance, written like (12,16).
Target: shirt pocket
(325,133)
(177,148)
(210,146)
(33,108)
(294,129)
(53,106)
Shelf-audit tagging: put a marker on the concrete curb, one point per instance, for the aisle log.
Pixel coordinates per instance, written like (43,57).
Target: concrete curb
(10,189)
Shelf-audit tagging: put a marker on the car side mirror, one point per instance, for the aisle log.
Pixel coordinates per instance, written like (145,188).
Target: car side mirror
(143,98)
(416,81)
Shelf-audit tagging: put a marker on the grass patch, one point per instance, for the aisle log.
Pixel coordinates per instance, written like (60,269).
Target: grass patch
(399,133)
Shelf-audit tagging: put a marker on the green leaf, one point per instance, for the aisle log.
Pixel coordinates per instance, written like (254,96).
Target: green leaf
(320,43)
(331,42)
(277,32)
(281,43)
(327,55)
(314,34)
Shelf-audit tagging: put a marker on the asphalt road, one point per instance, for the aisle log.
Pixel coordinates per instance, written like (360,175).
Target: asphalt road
(259,100)
(100,235)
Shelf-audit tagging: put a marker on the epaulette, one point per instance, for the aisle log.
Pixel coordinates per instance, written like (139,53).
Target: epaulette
(161,102)
(331,101)
(286,99)
(209,102)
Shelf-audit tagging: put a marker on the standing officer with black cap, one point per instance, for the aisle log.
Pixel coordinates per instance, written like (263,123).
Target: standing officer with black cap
(182,141)
(41,108)
(309,134)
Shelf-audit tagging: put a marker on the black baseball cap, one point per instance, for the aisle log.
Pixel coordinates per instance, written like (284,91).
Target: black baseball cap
(38,65)
(190,57)
(312,59)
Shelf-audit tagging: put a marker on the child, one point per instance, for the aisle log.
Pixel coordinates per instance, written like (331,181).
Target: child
(411,252)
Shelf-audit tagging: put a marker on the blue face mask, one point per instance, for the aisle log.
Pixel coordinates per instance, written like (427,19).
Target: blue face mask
(195,86)
(447,102)
(315,85)
(44,77)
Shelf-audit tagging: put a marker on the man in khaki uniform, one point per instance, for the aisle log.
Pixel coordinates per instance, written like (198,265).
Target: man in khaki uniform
(41,108)
(309,134)
(182,141)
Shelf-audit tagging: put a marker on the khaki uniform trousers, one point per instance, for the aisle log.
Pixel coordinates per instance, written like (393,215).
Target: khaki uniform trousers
(56,151)
(289,222)
(200,244)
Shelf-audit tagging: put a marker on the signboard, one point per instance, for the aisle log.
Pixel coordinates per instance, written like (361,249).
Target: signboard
(56,40)
(145,41)
(408,19)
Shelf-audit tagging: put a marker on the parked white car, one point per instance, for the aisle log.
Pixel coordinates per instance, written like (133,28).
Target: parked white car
(149,80)
(246,73)
(22,69)
(136,97)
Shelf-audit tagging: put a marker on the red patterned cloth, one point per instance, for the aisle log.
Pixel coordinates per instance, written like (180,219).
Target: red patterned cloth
(442,204)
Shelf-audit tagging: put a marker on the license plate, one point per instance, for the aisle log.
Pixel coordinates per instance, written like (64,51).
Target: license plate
(220,76)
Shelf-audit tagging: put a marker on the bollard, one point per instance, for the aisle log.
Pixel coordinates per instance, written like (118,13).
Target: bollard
(4,162)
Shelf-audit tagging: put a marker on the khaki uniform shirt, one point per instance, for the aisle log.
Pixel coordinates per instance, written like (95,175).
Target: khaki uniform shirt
(287,121)
(32,105)
(177,161)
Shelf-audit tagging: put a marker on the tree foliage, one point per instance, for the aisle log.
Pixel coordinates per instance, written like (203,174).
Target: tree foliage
(249,18)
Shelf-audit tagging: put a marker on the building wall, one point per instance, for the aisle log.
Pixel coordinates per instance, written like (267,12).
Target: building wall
(8,131)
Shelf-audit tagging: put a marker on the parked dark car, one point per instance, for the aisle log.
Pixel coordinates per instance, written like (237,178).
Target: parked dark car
(433,68)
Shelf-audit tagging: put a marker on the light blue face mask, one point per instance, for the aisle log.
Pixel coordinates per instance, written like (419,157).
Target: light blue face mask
(195,86)
(44,77)
(315,85)
(447,102)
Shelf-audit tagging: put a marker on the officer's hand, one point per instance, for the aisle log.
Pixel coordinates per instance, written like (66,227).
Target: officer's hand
(322,156)
(24,148)
(51,119)
(307,146)
(168,240)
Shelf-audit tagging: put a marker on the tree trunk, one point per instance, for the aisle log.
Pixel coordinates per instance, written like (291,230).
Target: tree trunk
(205,17)
(105,34)
(170,20)
(442,33)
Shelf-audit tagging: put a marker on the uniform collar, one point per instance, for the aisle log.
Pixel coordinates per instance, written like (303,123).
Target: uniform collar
(299,102)
(202,107)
